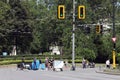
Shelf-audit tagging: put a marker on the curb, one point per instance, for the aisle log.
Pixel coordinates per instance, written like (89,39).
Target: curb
(111,73)
(8,66)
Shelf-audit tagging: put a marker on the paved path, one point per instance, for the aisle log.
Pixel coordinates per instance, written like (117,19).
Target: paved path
(11,73)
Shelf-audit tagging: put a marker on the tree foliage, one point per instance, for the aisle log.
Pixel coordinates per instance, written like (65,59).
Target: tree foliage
(33,26)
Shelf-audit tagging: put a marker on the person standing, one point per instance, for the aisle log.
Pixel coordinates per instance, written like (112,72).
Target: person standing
(22,65)
(34,61)
(51,62)
(47,63)
(108,63)
(84,63)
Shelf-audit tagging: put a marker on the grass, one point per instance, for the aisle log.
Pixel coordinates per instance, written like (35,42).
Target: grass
(7,62)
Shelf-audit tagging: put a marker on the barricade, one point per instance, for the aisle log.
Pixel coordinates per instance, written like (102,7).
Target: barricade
(58,64)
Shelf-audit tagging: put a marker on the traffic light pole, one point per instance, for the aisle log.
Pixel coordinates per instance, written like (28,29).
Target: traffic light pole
(73,38)
(114,43)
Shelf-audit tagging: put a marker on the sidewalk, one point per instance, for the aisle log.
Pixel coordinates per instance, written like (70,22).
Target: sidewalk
(8,66)
(109,71)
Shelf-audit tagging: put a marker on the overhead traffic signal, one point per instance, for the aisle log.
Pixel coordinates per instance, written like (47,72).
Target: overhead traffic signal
(81,12)
(61,12)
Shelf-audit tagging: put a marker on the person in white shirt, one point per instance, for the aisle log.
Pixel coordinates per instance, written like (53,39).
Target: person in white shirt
(108,63)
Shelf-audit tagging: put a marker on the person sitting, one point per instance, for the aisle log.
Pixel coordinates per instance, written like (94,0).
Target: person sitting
(22,64)
(91,64)
(35,64)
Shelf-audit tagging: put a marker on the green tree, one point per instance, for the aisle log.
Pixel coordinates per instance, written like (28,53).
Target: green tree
(16,26)
(3,31)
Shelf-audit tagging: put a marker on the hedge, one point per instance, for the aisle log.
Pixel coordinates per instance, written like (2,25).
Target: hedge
(7,62)
(29,58)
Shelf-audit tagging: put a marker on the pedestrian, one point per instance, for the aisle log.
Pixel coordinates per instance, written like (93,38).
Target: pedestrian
(22,65)
(46,63)
(108,63)
(34,62)
(40,61)
(66,63)
(51,62)
(84,63)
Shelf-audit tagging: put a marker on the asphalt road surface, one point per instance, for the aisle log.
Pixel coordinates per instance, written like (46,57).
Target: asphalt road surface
(66,74)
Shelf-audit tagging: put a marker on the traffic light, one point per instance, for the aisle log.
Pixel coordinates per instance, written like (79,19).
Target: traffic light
(61,12)
(98,29)
(81,12)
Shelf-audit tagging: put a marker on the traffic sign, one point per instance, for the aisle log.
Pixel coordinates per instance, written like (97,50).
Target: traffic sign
(114,39)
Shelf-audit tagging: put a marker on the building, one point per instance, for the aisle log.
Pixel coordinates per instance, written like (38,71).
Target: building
(55,50)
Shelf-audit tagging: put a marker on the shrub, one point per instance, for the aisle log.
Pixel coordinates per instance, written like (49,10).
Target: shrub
(29,58)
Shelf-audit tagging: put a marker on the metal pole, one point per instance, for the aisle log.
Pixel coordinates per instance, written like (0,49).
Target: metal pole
(114,43)
(7,1)
(73,38)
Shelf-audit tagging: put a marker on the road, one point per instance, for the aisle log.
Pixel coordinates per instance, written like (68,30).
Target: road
(78,74)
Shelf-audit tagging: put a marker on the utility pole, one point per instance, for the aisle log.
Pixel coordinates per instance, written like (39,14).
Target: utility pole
(73,38)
